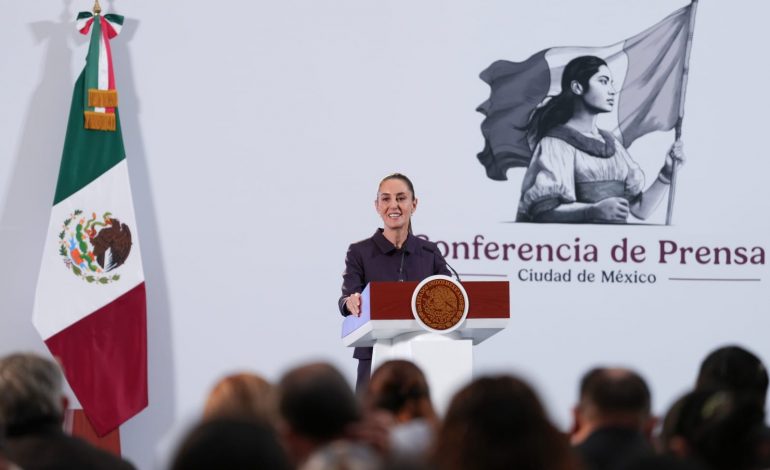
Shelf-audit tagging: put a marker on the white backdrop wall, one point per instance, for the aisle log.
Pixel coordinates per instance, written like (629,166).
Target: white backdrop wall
(256,133)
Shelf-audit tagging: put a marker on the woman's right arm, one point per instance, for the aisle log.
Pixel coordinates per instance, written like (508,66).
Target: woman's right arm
(352,284)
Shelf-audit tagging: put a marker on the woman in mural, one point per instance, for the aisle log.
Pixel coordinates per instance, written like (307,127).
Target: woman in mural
(578,172)
(393,253)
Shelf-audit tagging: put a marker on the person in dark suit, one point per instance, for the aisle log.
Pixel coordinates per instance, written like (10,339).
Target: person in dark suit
(612,419)
(393,253)
(32,408)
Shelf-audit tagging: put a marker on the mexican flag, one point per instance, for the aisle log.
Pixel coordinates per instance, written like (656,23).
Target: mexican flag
(90,306)
(648,71)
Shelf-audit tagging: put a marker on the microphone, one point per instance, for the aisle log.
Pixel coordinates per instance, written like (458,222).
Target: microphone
(457,276)
(401,268)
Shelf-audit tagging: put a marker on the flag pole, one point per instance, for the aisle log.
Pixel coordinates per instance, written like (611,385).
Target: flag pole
(97,8)
(678,126)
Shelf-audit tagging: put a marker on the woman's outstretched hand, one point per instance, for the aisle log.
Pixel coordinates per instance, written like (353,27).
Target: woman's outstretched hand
(353,304)
(612,209)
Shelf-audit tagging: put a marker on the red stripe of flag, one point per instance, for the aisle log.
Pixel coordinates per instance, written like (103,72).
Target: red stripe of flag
(105,358)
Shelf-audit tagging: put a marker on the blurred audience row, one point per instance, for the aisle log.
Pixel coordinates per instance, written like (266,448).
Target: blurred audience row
(312,420)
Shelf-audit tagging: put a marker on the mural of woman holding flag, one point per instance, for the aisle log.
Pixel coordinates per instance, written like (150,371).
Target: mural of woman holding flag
(542,114)
(578,172)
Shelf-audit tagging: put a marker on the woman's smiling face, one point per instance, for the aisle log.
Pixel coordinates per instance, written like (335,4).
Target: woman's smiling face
(395,203)
(600,95)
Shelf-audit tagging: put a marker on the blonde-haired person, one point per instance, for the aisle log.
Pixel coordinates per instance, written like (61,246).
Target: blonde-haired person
(243,395)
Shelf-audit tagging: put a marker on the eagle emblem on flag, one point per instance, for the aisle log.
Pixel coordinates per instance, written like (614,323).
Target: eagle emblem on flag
(92,247)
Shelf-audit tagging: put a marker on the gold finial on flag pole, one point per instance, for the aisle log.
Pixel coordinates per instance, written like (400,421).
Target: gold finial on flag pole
(97,7)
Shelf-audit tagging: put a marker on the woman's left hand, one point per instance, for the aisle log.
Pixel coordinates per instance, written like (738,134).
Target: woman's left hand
(675,154)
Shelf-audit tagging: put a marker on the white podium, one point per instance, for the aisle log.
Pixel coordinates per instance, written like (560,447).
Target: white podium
(388,324)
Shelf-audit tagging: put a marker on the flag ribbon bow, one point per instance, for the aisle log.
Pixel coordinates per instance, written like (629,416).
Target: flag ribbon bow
(101,97)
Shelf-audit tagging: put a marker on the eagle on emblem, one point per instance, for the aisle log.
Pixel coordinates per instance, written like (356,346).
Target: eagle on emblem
(112,245)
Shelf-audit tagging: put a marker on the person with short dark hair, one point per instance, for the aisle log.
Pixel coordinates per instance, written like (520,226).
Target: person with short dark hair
(231,443)
(318,408)
(612,418)
(734,368)
(32,406)
(316,402)
(498,423)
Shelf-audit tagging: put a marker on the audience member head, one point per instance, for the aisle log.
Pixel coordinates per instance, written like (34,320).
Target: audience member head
(400,388)
(231,443)
(243,395)
(30,392)
(612,397)
(499,423)
(734,368)
(717,427)
(317,405)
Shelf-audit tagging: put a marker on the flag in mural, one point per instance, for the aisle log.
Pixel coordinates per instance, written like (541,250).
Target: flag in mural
(647,70)
(90,306)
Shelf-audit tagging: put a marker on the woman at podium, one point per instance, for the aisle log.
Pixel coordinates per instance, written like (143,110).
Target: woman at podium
(393,253)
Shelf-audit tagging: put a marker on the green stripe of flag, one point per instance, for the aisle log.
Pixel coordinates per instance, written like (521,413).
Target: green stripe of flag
(87,153)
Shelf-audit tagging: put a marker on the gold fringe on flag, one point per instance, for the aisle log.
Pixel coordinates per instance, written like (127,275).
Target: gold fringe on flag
(100,121)
(102,98)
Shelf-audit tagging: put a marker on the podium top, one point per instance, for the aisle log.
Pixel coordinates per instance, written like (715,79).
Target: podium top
(386,312)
